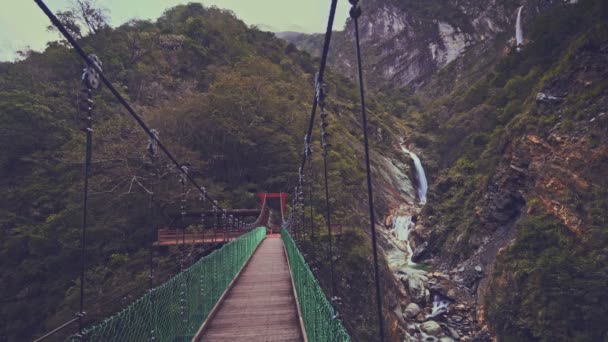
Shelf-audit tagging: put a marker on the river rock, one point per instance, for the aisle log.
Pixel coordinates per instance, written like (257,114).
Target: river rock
(411,310)
(431,328)
(461,307)
(453,333)
(446,339)
(451,294)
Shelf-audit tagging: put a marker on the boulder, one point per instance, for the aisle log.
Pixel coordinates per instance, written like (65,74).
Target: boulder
(431,328)
(411,310)
(453,333)
(451,294)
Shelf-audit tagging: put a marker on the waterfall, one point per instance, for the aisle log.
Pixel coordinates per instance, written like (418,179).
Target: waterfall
(422,183)
(402,226)
(519,33)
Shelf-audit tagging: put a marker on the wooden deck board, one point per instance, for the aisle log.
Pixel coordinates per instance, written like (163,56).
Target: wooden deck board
(261,304)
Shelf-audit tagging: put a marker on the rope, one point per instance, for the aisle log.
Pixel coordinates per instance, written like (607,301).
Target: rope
(355,13)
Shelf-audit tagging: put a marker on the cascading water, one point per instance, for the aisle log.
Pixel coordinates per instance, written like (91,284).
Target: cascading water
(519,33)
(402,226)
(440,305)
(422,182)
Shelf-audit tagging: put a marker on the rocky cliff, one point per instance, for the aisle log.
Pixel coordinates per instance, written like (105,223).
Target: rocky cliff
(512,242)
(515,210)
(406,42)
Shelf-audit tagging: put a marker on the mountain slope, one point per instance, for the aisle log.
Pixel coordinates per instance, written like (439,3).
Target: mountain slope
(514,147)
(519,179)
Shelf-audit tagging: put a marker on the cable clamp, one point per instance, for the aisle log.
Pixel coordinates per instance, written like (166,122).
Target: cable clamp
(355,11)
(90,77)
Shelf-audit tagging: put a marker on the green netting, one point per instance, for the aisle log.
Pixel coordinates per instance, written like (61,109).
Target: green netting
(317,313)
(175,310)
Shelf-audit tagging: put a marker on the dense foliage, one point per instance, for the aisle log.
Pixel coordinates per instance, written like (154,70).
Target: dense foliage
(558,285)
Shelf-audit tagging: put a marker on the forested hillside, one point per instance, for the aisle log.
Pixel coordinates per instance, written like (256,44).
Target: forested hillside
(230,100)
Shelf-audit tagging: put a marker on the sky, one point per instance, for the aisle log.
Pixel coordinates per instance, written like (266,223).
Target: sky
(23,25)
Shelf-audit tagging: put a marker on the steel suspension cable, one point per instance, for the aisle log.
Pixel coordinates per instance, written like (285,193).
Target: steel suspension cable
(152,153)
(355,13)
(90,80)
(93,64)
(320,74)
(308,137)
(310,204)
(117,95)
(325,144)
(302,198)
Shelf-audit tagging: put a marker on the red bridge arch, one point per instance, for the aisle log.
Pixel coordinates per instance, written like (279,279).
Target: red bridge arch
(282,196)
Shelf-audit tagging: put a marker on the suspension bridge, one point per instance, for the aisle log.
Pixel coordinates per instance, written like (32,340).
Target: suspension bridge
(257,286)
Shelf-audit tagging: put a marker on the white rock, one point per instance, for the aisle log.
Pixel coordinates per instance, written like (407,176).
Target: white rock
(454,43)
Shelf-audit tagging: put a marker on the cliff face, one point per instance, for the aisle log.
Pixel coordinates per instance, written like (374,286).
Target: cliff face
(516,206)
(405,43)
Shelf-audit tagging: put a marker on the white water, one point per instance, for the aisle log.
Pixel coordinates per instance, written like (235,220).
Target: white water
(422,183)
(519,33)
(402,225)
(440,305)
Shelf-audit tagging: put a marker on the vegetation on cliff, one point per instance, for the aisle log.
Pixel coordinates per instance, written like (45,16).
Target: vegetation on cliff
(505,164)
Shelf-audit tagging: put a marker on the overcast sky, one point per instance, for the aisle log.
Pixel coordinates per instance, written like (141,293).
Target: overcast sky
(22,23)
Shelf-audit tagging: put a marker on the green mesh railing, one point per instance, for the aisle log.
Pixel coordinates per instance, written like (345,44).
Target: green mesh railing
(175,310)
(317,313)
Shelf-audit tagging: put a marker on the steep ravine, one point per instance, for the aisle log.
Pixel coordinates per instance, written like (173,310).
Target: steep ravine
(508,116)
(432,306)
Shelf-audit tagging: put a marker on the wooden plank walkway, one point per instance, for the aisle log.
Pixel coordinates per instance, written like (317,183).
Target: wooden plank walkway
(261,305)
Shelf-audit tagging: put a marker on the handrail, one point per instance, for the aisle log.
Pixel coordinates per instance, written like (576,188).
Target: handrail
(318,314)
(177,308)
